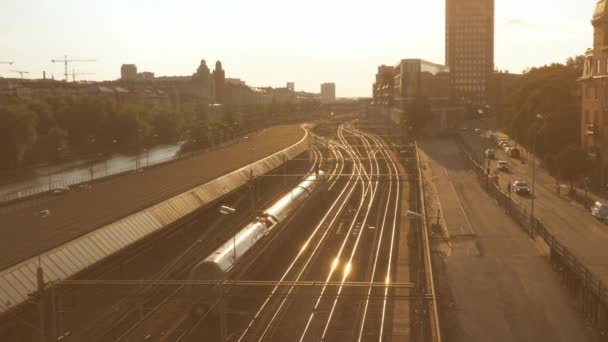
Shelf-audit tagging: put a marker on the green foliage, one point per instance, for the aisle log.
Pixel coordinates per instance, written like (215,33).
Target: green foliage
(17,133)
(419,113)
(570,162)
(45,129)
(553,92)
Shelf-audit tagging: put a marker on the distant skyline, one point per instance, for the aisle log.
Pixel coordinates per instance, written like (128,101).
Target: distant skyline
(271,42)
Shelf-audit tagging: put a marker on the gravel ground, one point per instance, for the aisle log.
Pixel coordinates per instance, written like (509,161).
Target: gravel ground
(25,234)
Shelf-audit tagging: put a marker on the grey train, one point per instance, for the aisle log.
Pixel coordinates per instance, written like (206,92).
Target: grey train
(219,264)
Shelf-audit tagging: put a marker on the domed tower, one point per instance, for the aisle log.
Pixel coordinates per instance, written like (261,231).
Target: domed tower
(219,78)
(203,82)
(594,90)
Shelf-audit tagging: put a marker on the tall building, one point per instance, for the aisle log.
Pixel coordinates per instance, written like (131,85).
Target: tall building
(128,72)
(291,86)
(202,78)
(469,48)
(328,92)
(219,78)
(594,91)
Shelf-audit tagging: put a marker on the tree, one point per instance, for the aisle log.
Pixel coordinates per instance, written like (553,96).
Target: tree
(17,134)
(571,162)
(552,91)
(419,113)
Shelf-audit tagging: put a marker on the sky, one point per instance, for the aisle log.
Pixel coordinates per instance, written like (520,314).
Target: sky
(271,42)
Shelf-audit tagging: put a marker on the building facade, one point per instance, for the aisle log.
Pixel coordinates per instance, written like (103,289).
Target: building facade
(291,86)
(469,47)
(594,95)
(328,92)
(128,72)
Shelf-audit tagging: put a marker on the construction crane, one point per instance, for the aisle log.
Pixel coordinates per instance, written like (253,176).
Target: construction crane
(74,74)
(65,62)
(4,62)
(20,72)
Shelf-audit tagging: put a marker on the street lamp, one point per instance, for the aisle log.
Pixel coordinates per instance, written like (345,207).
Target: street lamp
(538,117)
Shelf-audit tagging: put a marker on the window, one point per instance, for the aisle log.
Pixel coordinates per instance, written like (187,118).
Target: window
(586,118)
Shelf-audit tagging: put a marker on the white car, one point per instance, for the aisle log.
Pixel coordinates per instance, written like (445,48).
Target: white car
(503,166)
(599,210)
(521,187)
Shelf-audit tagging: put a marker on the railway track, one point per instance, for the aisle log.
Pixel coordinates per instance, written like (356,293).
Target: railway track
(169,318)
(333,305)
(353,240)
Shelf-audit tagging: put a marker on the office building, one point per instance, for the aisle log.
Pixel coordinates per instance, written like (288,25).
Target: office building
(410,79)
(469,47)
(128,72)
(291,86)
(328,92)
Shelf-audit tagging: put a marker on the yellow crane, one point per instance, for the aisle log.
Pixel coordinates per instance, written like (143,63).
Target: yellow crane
(20,72)
(66,61)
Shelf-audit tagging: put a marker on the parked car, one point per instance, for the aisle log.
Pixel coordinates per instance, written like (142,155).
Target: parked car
(503,143)
(521,187)
(60,190)
(503,166)
(477,131)
(599,210)
(514,153)
(506,148)
(490,153)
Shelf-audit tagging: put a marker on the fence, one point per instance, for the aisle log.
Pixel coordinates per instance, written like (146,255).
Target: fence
(588,289)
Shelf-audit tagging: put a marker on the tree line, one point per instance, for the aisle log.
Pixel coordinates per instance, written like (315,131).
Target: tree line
(542,112)
(45,130)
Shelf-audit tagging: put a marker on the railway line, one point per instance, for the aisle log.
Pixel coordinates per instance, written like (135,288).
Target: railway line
(351,240)
(342,242)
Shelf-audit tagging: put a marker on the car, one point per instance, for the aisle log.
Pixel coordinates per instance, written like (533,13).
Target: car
(521,187)
(503,166)
(507,148)
(464,129)
(514,153)
(599,210)
(502,143)
(490,153)
(477,131)
(60,190)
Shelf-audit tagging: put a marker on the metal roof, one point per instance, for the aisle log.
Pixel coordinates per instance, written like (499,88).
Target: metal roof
(18,282)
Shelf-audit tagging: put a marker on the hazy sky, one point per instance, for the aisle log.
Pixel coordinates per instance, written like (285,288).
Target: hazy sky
(270,42)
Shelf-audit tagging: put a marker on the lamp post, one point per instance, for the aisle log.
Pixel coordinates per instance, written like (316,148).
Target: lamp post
(539,117)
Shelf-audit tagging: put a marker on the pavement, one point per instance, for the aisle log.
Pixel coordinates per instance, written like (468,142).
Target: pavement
(494,283)
(25,233)
(568,220)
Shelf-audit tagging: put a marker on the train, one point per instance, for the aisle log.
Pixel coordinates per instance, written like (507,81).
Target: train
(218,265)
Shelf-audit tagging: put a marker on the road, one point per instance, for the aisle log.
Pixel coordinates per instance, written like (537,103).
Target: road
(25,234)
(567,220)
(494,282)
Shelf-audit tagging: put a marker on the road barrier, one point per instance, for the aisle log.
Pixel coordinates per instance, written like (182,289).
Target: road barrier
(586,287)
(434,329)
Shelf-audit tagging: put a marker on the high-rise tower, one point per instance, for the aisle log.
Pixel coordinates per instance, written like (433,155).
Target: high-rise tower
(469,48)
